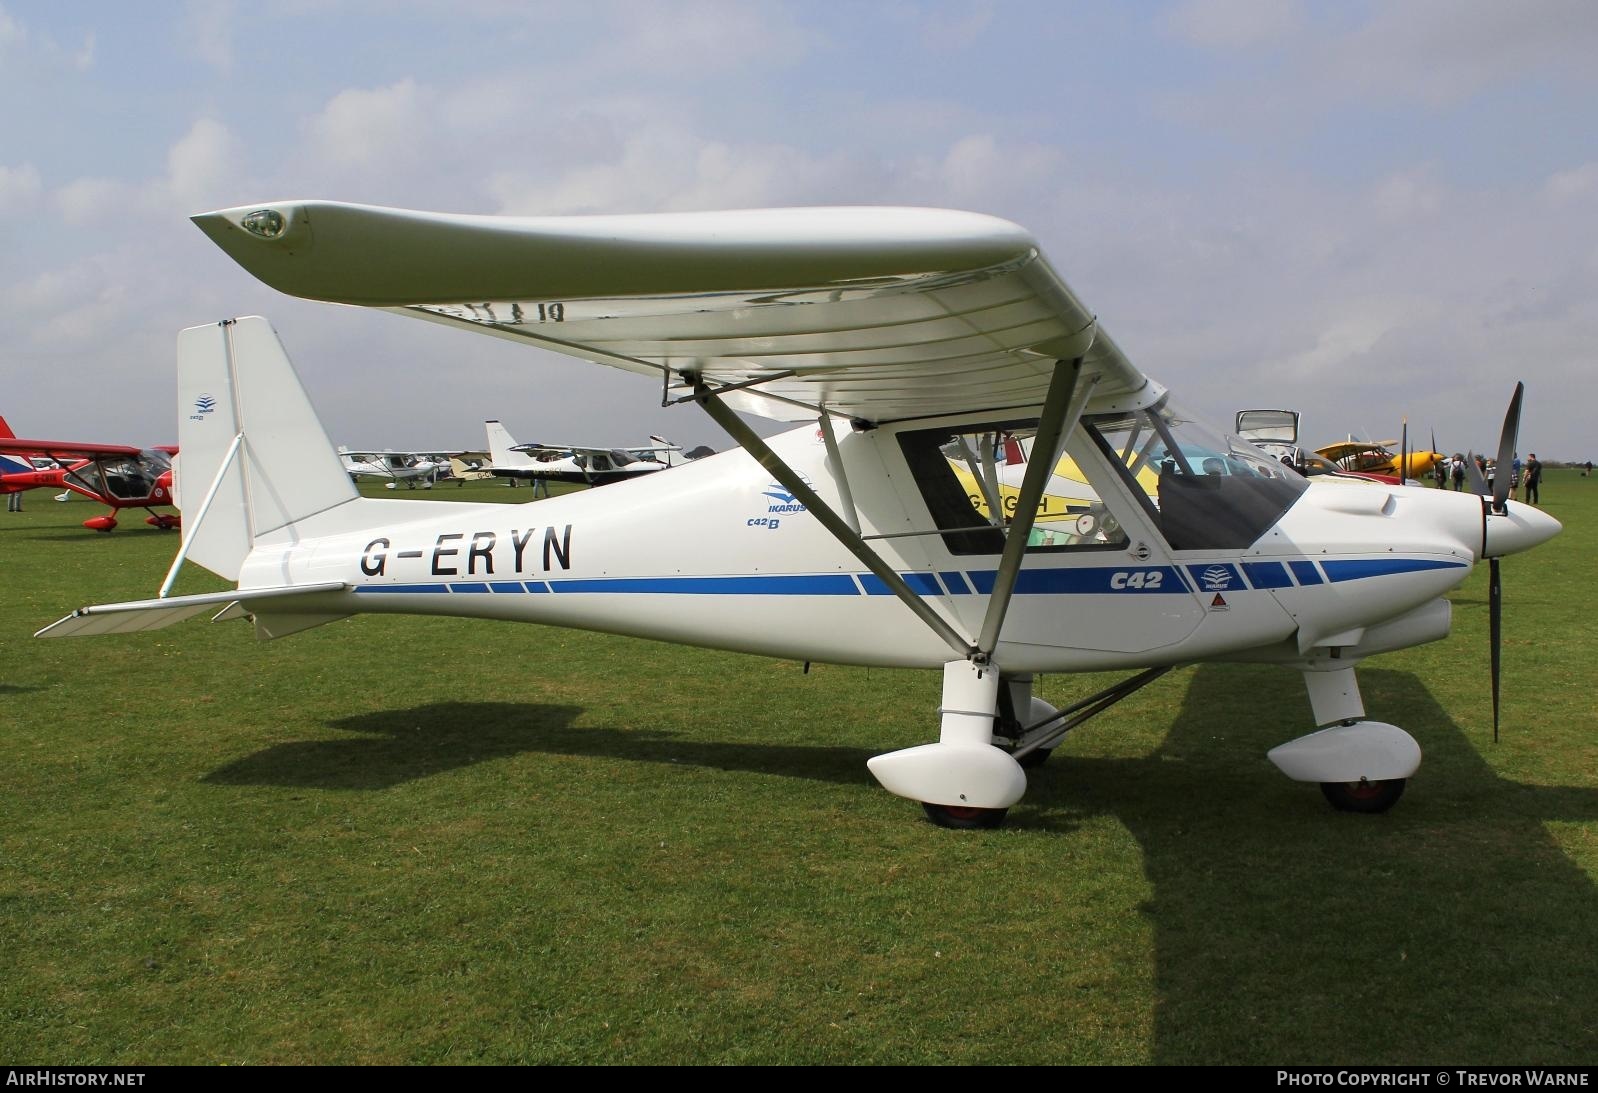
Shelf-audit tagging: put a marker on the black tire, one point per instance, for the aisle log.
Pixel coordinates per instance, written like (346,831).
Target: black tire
(964,817)
(1362,796)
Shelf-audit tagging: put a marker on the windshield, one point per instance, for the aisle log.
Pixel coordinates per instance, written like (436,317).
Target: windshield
(1205,490)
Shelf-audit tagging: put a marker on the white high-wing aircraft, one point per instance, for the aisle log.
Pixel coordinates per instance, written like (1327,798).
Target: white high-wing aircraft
(894,333)
(575,464)
(412,468)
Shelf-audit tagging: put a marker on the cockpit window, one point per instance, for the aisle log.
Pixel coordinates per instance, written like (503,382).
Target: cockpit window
(1203,490)
(971,477)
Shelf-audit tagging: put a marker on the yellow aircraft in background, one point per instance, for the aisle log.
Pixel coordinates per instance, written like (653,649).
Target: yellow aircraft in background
(991,466)
(1378,457)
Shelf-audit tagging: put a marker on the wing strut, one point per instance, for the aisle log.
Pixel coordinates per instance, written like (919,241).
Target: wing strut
(1068,394)
(839,529)
(845,495)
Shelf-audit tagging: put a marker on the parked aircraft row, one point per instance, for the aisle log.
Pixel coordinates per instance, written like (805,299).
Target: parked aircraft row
(910,343)
(124,477)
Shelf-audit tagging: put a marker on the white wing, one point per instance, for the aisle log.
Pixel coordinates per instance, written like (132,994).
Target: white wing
(875,313)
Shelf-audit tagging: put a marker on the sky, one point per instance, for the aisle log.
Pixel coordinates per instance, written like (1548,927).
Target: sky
(1361,211)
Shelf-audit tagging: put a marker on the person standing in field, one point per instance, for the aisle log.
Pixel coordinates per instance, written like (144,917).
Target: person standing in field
(1534,479)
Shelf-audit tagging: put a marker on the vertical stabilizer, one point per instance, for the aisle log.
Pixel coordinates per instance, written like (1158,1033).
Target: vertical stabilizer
(500,443)
(253,458)
(11,464)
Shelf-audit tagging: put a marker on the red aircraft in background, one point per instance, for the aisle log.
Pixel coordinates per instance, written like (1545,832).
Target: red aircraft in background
(113,474)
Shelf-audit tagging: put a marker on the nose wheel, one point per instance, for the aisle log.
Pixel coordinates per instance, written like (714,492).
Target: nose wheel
(963,817)
(1364,796)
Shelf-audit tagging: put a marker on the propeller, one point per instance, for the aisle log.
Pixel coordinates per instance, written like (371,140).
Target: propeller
(1502,484)
(1478,485)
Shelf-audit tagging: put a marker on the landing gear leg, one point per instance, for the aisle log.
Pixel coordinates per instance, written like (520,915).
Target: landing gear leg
(1019,711)
(962,781)
(1362,766)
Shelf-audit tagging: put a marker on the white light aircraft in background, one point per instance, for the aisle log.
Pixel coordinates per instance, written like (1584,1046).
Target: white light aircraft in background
(412,468)
(894,334)
(576,464)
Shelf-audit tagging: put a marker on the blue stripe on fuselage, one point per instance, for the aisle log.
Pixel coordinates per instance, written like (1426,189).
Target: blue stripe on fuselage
(824,584)
(1359,569)
(1090,581)
(1096,581)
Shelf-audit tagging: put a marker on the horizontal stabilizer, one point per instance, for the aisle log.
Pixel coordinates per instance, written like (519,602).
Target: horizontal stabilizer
(136,615)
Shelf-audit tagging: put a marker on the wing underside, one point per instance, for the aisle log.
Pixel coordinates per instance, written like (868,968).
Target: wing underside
(878,314)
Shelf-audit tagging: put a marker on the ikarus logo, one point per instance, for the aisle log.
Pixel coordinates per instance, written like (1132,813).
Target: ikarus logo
(205,404)
(779,503)
(1217,578)
(781,500)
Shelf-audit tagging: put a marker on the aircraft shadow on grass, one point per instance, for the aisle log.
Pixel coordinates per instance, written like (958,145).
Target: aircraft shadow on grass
(401,745)
(398,746)
(1455,924)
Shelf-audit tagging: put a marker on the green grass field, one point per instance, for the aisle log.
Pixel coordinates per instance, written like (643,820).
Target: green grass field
(436,840)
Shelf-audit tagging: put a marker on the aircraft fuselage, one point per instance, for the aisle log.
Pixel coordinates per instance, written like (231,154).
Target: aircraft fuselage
(719,555)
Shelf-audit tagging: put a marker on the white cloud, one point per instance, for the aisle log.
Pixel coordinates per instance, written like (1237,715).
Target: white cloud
(19,186)
(698,38)
(1347,340)
(200,165)
(210,24)
(1407,196)
(1441,51)
(670,169)
(947,30)
(200,172)
(978,171)
(1578,182)
(11,32)
(72,306)
(367,127)
(86,199)
(1232,24)
(83,59)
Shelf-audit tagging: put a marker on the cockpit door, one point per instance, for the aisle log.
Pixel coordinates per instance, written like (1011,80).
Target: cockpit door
(1095,576)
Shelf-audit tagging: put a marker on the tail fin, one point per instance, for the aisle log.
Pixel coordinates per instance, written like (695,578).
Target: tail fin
(11,464)
(249,443)
(500,443)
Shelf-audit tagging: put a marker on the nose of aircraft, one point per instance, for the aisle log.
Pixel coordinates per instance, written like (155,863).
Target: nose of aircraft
(1519,528)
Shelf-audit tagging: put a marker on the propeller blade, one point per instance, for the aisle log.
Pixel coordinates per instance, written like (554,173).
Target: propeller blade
(1495,617)
(1502,479)
(1478,484)
(1403,453)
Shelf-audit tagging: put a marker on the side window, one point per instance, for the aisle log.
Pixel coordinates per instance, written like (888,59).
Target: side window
(971,478)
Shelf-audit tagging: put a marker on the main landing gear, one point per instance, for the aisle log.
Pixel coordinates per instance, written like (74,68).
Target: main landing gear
(974,773)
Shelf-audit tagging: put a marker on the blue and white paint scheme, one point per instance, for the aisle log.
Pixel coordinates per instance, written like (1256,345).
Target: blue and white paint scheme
(905,339)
